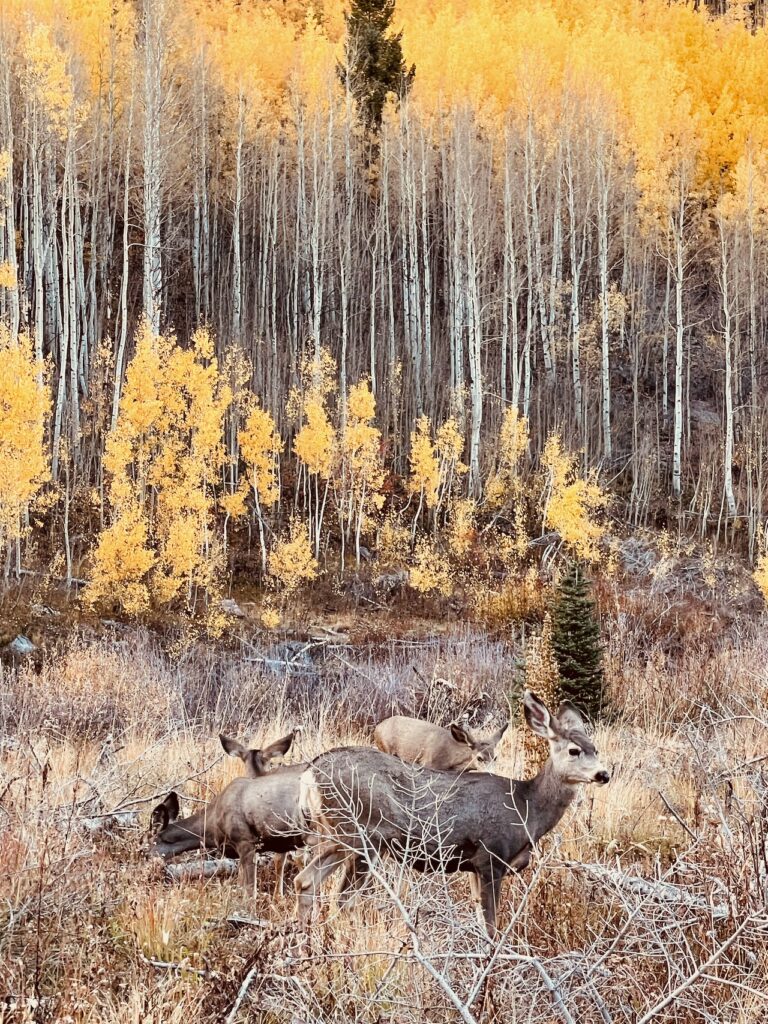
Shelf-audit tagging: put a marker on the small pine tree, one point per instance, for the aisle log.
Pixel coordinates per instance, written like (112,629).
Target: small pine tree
(576,643)
(374,66)
(541,676)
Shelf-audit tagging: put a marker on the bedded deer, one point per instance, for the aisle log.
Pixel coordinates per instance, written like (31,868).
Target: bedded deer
(259,813)
(361,803)
(452,749)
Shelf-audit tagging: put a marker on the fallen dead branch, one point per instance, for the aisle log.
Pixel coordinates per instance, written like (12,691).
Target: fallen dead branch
(662,892)
(193,870)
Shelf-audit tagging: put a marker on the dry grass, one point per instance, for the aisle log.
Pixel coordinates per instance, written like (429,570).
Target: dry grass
(91,932)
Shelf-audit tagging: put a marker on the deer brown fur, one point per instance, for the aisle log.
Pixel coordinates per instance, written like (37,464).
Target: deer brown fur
(454,749)
(256,814)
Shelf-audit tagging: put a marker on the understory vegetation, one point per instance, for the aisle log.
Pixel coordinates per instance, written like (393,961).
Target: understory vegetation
(647,904)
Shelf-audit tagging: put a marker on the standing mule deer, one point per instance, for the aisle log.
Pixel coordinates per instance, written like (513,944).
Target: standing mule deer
(251,815)
(361,803)
(453,749)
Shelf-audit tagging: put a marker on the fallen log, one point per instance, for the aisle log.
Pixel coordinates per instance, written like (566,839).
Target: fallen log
(193,870)
(660,892)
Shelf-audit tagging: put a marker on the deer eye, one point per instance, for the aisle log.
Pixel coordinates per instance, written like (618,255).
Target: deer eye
(574,751)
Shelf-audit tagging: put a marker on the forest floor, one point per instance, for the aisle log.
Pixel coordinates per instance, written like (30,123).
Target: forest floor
(647,903)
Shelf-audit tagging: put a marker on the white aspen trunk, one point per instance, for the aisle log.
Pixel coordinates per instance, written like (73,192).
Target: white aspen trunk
(530,160)
(37,229)
(154,13)
(603,187)
(120,355)
(70,310)
(426,270)
(728,383)
(237,282)
(578,400)
(665,349)
(475,343)
(678,225)
(14,309)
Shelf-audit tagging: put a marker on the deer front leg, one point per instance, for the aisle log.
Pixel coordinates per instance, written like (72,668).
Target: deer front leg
(246,851)
(327,858)
(354,878)
(489,883)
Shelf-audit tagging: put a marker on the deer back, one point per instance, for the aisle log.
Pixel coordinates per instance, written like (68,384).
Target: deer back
(419,742)
(366,796)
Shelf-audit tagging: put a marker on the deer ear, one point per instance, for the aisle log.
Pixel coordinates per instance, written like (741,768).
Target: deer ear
(279,747)
(538,717)
(232,747)
(460,734)
(569,717)
(496,738)
(165,813)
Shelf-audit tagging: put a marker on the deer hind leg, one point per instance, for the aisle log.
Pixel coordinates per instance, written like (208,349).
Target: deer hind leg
(326,860)
(246,851)
(279,862)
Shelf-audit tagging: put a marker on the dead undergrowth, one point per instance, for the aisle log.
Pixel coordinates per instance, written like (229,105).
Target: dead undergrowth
(648,903)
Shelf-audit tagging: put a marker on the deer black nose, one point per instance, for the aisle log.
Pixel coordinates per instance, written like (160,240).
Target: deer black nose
(602,778)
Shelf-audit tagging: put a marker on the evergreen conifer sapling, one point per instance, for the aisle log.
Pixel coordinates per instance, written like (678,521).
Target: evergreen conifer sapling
(576,643)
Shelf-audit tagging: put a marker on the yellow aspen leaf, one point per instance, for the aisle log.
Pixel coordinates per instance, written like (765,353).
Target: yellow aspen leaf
(24,410)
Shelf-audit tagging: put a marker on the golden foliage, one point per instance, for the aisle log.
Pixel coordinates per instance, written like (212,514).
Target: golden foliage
(424,479)
(163,458)
(430,572)
(462,527)
(760,575)
(315,444)
(361,471)
(291,561)
(517,600)
(512,446)
(394,542)
(573,502)
(261,445)
(24,410)
(47,79)
(7,275)
(122,562)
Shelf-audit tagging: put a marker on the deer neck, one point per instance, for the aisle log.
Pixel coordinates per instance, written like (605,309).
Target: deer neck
(548,798)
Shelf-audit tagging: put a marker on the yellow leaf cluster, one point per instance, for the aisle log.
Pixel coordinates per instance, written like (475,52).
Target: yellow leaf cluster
(164,457)
(24,409)
(291,561)
(47,78)
(393,543)
(362,464)
(430,572)
(424,478)
(122,562)
(760,575)
(512,446)
(462,529)
(573,502)
(315,444)
(261,445)
(7,275)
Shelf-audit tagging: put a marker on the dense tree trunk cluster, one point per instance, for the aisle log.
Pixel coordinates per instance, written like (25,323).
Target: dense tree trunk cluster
(466,266)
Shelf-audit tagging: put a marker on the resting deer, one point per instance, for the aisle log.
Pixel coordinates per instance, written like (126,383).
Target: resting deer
(453,749)
(364,802)
(251,815)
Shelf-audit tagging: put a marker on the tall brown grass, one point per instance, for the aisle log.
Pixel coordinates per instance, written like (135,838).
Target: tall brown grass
(90,931)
